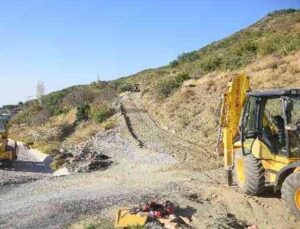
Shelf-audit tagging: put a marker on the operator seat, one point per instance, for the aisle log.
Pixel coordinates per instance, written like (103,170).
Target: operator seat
(279,122)
(275,141)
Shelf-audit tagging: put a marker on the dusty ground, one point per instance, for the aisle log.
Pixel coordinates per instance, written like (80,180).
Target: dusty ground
(28,167)
(148,164)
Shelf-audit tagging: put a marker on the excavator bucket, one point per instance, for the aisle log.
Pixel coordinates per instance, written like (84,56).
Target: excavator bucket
(125,219)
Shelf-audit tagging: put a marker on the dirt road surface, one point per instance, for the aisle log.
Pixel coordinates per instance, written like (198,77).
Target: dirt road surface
(30,166)
(148,163)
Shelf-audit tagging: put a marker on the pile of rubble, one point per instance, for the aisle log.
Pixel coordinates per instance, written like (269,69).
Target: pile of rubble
(83,159)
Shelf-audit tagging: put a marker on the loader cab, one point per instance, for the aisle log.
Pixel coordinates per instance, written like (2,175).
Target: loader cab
(273,117)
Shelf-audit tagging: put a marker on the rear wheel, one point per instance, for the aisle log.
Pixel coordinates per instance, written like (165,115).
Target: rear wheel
(249,173)
(291,193)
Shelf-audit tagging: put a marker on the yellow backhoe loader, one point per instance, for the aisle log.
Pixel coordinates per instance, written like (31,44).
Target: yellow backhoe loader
(7,152)
(260,137)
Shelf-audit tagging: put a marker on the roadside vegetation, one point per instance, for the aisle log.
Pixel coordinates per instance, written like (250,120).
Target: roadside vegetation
(65,118)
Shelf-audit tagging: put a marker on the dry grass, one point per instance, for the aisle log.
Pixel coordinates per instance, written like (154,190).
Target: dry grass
(57,132)
(82,133)
(192,112)
(110,123)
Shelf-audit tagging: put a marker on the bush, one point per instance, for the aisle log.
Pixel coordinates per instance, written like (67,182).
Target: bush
(210,63)
(125,87)
(41,117)
(174,63)
(188,57)
(27,116)
(83,112)
(100,114)
(79,97)
(246,46)
(289,11)
(282,44)
(168,85)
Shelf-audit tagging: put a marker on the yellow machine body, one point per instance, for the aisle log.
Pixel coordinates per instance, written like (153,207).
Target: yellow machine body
(231,111)
(7,153)
(270,161)
(265,152)
(125,219)
(232,105)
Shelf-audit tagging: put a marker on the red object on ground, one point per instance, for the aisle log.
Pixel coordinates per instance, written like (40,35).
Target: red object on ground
(158,214)
(159,210)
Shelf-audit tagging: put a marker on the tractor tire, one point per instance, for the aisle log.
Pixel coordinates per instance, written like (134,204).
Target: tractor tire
(291,193)
(249,173)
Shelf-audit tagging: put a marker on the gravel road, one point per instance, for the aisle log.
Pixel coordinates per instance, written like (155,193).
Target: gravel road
(30,166)
(159,168)
(137,174)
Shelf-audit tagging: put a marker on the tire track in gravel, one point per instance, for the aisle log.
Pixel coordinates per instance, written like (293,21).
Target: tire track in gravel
(129,125)
(155,138)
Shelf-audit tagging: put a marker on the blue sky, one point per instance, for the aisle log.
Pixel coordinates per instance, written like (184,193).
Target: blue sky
(64,43)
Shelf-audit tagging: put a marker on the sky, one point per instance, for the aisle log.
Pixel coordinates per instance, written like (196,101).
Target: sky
(69,42)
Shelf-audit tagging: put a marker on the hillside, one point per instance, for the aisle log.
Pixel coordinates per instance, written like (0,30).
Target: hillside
(65,117)
(184,97)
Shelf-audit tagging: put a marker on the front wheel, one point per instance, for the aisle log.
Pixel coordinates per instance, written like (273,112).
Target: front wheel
(249,173)
(291,193)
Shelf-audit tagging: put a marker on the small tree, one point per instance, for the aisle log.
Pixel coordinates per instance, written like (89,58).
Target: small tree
(40,92)
(79,97)
(83,112)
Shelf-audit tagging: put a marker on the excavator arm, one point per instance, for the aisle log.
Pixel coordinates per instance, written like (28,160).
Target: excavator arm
(231,108)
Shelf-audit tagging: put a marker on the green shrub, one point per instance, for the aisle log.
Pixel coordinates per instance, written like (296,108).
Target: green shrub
(27,115)
(100,114)
(289,11)
(54,98)
(174,63)
(188,57)
(210,63)
(83,112)
(167,86)
(125,87)
(233,61)
(244,47)
(278,43)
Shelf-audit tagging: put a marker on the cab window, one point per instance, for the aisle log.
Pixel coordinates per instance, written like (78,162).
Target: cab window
(273,133)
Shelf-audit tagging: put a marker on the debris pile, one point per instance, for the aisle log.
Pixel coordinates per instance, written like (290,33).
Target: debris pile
(84,159)
(152,216)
